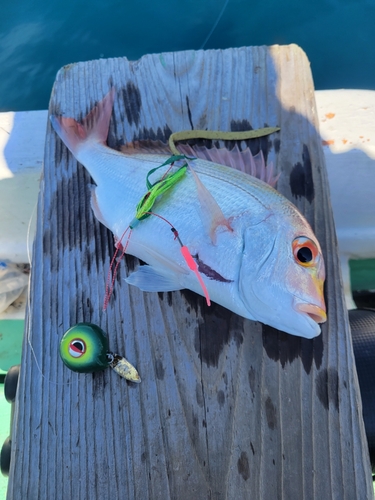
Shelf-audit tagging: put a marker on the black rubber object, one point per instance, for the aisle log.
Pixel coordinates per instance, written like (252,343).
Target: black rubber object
(362,325)
(10,383)
(5,457)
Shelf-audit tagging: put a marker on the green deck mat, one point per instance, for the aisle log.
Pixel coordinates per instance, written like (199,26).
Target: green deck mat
(5,408)
(11,335)
(362,274)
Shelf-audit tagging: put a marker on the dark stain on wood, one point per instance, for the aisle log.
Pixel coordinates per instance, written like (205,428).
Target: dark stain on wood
(252,375)
(189,113)
(161,134)
(312,350)
(263,144)
(215,330)
(110,81)
(47,244)
(199,394)
(221,398)
(280,346)
(194,431)
(60,149)
(243,466)
(240,125)
(89,307)
(301,179)
(132,102)
(169,296)
(159,369)
(285,348)
(195,301)
(98,384)
(327,387)
(114,140)
(104,244)
(270,413)
(132,263)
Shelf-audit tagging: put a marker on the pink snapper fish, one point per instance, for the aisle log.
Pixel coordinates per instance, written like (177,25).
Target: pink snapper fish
(256,253)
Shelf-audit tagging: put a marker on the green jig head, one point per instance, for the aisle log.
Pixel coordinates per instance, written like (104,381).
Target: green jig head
(84,349)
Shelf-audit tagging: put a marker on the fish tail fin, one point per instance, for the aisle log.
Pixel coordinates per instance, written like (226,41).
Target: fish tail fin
(94,126)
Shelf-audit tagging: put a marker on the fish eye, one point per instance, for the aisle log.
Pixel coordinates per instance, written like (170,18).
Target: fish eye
(304,255)
(305,251)
(77,348)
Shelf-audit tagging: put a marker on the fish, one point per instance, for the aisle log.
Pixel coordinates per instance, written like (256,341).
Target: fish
(256,253)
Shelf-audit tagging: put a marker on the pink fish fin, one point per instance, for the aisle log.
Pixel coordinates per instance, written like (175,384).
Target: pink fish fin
(265,173)
(95,206)
(211,214)
(240,160)
(145,146)
(94,126)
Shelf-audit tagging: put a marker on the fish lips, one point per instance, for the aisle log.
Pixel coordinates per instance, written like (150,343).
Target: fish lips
(315,312)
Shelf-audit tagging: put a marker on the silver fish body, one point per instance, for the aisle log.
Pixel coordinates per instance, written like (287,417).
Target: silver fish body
(253,265)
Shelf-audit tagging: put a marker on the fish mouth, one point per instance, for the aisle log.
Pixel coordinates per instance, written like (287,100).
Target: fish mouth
(316,313)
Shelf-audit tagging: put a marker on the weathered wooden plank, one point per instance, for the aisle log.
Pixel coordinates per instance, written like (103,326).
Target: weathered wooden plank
(227,408)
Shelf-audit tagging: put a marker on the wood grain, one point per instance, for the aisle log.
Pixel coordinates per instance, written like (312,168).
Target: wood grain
(227,408)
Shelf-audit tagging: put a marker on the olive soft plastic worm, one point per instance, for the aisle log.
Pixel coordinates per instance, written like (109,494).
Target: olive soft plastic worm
(217,135)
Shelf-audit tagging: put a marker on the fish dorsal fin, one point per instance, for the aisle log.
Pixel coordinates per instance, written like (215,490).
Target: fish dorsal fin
(240,160)
(145,146)
(211,214)
(244,160)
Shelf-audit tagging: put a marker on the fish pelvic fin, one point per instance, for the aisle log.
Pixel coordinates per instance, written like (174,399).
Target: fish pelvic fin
(149,279)
(94,126)
(211,214)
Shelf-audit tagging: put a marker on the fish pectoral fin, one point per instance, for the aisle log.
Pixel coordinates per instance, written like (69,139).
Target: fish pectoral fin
(149,279)
(211,214)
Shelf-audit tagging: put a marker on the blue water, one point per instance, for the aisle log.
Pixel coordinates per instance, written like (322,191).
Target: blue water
(38,37)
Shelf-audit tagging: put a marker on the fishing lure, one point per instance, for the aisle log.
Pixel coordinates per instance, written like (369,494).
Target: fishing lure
(158,188)
(216,135)
(143,210)
(84,349)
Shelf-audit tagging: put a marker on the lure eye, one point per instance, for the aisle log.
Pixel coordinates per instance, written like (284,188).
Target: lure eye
(77,348)
(305,251)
